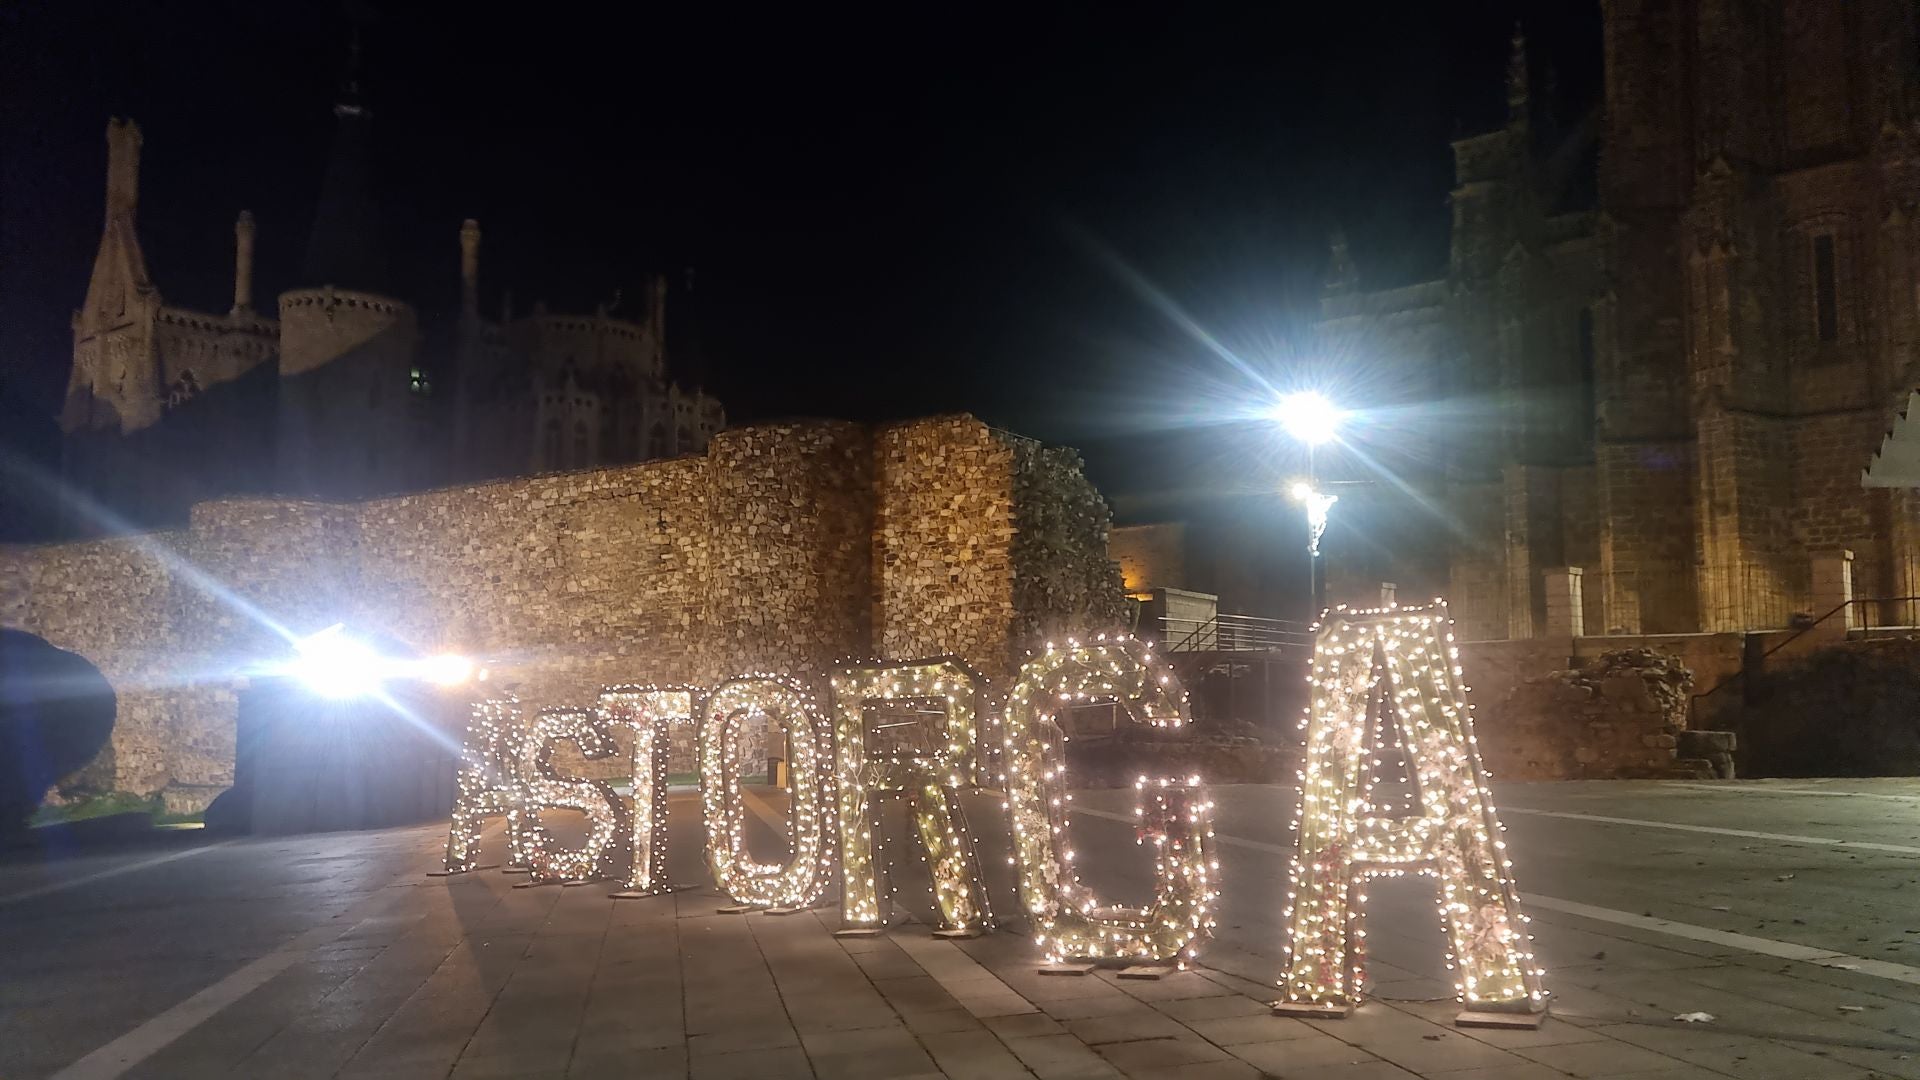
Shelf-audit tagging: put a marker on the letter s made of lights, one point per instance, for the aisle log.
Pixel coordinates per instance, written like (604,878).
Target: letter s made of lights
(904,750)
(605,810)
(1069,923)
(758,699)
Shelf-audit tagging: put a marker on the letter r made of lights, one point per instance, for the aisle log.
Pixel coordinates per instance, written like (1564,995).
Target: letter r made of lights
(1403,661)
(909,730)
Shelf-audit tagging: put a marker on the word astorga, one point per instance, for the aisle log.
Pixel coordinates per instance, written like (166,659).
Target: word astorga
(841,763)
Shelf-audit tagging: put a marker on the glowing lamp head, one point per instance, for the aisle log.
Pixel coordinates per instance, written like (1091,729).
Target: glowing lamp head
(335,666)
(1301,491)
(1307,416)
(447,669)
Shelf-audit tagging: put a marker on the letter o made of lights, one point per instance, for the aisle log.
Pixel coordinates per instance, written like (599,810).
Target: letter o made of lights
(1069,922)
(802,878)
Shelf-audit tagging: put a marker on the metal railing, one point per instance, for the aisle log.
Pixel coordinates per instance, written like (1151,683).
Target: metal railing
(1864,628)
(1234,633)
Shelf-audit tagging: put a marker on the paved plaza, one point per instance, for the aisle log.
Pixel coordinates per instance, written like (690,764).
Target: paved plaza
(1786,912)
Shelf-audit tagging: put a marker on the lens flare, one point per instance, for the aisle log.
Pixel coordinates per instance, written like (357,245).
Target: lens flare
(1308,416)
(336,666)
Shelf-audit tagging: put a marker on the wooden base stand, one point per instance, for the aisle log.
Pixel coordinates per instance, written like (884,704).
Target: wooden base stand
(1066,968)
(1483,1018)
(1313,1010)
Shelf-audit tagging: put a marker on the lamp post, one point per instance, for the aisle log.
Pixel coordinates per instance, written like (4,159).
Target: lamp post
(1310,418)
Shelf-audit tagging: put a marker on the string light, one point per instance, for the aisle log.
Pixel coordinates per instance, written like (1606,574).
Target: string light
(927,763)
(1404,660)
(802,878)
(547,789)
(651,712)
(489,784)
(1069,921)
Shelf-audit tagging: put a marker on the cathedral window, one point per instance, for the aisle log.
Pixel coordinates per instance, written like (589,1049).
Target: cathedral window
(550,446)
(686,440)
(1826,300)
(580,444)
(418,382)
(657,441)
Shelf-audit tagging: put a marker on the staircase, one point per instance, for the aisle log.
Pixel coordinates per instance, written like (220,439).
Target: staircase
(1240,668)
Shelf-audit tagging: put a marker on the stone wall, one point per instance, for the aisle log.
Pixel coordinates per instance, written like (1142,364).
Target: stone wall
(1617,715)
(785,547)
(942,542)
(1151,556)
(1530,733)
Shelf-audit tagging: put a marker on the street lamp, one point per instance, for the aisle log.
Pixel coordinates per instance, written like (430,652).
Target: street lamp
(1307,416)
(1310,418)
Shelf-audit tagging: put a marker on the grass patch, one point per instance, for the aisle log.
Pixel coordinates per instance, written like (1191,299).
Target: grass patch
(109,805)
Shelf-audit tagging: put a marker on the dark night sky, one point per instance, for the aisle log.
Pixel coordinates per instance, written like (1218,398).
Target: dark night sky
(893,211)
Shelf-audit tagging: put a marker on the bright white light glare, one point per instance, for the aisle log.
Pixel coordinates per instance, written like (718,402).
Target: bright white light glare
(336,666)
(446,669)
(1301,491)
(1308,416)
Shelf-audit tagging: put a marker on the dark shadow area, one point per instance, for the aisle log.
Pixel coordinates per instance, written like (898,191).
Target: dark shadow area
(303,763)
(1851,709)
(56,713)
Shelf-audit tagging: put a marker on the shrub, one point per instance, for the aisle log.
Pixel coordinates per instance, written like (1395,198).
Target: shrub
(56,712)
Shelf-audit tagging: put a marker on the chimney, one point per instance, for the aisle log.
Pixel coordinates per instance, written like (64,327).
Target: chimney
(470,266)
(243,263)
(123,167)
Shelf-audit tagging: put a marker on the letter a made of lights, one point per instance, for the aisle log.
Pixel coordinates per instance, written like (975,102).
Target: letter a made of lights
(802,878)
(546,789)
(651,712)
(489,783)
(1069,923)
(906,750)
(1405,659)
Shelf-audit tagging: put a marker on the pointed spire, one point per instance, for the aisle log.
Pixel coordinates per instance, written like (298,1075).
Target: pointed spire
(345,248)
(349,102)
(123,168)
(1517,89)
(1342,275)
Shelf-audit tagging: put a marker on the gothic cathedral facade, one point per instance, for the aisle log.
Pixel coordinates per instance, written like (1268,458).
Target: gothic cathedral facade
(1677,329)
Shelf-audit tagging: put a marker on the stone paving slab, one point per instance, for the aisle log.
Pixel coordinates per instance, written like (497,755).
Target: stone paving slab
(469,977)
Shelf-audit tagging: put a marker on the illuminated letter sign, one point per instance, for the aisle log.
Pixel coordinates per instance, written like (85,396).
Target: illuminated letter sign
(1069,923)
(489,782)
(800,881)
(546,789)
(1404,659)
(911,729)
(651,712)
